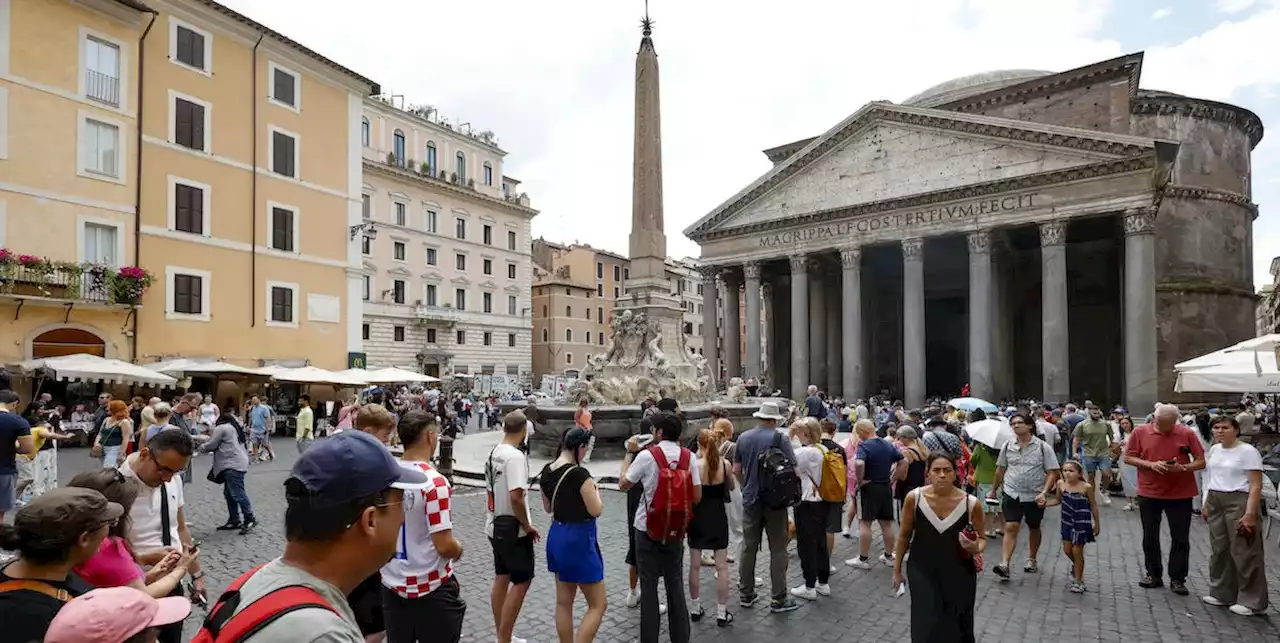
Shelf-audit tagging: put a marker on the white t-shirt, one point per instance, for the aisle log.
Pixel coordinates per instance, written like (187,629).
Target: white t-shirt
(507,468)
(1228,469)
(1048,432)
(809,468)
(208,413)
(145,512)
(417,568)
(644,471)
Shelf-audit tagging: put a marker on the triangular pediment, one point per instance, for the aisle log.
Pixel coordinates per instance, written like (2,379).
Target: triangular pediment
(886,152)
(401,271)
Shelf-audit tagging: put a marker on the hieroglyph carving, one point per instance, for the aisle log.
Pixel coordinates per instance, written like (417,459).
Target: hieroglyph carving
(1139,221)
(1053,233)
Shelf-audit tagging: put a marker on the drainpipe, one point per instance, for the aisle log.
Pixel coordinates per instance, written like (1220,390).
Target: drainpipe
(137,189)
(253,187)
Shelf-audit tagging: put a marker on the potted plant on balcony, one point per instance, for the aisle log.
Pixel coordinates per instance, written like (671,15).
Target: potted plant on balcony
(410,165)
(471,183)
(391,158)
(128,284)
(453,178)
(95,278)
(425,169)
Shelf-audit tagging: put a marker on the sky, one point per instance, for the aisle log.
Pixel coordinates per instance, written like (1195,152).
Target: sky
(554,79)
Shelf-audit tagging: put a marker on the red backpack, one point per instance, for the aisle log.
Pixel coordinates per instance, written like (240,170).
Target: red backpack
(225,625)
(668,515)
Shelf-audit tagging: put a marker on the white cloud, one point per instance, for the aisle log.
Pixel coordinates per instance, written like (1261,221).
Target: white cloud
(1234,6)
(1162,13)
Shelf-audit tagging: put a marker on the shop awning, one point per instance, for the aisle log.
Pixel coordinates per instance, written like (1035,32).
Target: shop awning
(396,375)
(314,375)
(188,367)
(91,368)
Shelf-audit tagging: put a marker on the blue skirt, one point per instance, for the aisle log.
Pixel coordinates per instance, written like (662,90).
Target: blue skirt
(573,552)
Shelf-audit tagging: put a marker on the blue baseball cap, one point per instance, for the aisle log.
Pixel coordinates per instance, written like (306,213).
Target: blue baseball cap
(350,466)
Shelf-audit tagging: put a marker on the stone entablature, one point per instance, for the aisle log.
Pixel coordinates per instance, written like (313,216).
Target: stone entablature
(1156,102)
(1128,66)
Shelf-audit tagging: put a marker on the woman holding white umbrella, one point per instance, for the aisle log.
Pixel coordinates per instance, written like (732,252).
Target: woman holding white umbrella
(988,435)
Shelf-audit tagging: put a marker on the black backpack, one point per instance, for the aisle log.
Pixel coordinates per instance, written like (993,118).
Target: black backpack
(779,484)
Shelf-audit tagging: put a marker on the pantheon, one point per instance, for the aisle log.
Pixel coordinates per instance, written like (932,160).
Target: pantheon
(1058,236)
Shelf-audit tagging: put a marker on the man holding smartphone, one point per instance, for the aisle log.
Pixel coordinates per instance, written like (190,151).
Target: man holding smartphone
(1167,455)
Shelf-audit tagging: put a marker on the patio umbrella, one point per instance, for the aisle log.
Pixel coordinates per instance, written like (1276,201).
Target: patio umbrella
(993,433)
(315,375)
(396,375)
(91,368)
(968,404)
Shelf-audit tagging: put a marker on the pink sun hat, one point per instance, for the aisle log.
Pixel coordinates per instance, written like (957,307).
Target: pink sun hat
(112,615)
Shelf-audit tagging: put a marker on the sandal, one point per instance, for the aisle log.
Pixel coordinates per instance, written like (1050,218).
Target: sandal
(724,622)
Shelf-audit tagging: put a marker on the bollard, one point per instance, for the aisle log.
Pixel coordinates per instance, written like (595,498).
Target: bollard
(444,459)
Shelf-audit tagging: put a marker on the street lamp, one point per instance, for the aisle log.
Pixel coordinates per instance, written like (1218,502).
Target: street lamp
(367,227)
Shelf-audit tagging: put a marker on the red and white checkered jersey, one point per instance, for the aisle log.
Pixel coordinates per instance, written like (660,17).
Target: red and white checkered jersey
(417,569)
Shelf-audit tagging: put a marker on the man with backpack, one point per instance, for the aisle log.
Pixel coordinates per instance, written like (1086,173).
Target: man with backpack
(835,482)
(766,464)
(672,487)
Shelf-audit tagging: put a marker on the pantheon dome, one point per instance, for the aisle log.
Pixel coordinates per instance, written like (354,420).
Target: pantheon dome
(972,85)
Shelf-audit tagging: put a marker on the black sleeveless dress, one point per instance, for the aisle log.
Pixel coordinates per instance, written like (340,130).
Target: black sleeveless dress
(709,529)
(942,580)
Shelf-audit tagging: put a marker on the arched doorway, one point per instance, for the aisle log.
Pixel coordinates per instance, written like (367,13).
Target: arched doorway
(67,341)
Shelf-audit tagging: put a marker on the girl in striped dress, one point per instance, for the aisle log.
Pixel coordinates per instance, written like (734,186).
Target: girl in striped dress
(1080,522)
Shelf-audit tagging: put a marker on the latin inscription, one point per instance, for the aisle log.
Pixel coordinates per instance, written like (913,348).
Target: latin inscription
(905,220)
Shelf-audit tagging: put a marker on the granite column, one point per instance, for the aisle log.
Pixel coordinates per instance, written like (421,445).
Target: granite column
(981,381)
(799,326)
(854,375)
(751,290)
(732,326)
(710,333)
(1140,366)
(913,338)
(1055,338)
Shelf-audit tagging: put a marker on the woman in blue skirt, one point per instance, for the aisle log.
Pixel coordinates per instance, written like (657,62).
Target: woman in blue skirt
(573,548)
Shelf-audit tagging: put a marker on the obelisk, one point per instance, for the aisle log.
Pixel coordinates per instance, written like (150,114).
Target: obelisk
(648,240)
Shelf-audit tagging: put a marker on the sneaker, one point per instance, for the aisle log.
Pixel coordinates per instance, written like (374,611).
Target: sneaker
(747,602)
(633,598)
(1077,587)
(832,570)
(229,526)
(1106,500)
(887,559)
(516,639)
(1002,571)
(1031,566)
(1178,587)
(1150,582)
(823,589)
(1241,610)
(859,562)
(248,526)
(1209,600)
(846,533)
(731,559)
(662,609)
(708,559)
(759,582)
(696,615)
(1128,506)
(784,605)
(807,593)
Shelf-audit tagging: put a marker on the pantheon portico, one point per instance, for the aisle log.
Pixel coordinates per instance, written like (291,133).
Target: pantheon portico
(1056,236)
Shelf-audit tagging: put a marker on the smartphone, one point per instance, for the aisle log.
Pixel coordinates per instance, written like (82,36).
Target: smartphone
(992,502)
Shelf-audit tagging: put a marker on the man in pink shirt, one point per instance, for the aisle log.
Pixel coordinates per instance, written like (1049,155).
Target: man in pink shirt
(1166,455)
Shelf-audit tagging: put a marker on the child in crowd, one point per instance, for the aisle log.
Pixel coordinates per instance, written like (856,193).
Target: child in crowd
(1080,521)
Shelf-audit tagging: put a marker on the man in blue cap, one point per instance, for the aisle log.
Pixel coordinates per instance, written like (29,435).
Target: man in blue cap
(342,524)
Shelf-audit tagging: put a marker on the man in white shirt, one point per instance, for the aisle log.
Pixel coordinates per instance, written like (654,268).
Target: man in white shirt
(507,524)
(159,522)
(420,595)
(657,560)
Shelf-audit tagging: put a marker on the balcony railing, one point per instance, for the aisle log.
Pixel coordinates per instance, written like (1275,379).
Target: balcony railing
(102,88)
(436,313)
(27,276)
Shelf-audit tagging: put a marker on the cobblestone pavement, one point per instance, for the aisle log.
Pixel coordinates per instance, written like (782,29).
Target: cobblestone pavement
(1030,607)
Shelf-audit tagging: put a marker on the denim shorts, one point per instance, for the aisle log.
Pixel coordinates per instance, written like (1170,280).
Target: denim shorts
(1093,464)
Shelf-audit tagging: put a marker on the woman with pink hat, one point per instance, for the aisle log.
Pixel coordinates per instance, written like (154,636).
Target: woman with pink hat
(115,615)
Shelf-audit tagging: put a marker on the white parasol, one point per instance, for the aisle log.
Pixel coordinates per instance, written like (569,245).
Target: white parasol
(991,432)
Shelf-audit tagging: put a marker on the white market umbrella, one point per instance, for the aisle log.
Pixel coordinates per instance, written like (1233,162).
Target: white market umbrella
(184,367)
(91,368)
(1257,374)
(396,375)
(993,433)
(315,375)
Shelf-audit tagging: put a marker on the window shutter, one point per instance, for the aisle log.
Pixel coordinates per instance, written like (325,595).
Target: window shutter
(282,229)
(197,49)
(182,123)
(197,126)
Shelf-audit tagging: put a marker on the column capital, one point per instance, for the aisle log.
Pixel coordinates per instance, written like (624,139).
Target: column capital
(912,249)
(1053,233)
(751,270)
(851,257)
(979,242)
(708,274)
(1139,221)
(799,263)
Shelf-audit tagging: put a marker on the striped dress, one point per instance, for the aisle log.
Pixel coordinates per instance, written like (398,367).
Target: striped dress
(1077,518)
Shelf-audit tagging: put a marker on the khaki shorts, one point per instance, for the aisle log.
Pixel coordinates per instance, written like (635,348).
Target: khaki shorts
(26,468)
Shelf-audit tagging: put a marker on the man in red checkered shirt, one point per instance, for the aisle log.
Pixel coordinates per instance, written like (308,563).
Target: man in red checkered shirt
(420,594)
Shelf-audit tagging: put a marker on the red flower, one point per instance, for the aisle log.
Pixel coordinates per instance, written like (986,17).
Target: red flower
(28,260)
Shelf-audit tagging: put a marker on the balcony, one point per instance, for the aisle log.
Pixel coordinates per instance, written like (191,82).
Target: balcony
(445,314)
(102,88)
(37,279)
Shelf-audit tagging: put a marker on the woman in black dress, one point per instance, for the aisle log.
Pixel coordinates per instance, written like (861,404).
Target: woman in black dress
(942,525)
(709,530)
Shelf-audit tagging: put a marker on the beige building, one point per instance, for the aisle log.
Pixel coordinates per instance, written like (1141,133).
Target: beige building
(235,196)
(445,266)
(565,331)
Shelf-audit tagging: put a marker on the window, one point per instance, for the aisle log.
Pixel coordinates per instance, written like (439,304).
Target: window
(284,87)
(511,240)
(366,245)
(588,311)
(397,333)
(100,244)
(488,338)
(100,148)
(461,166)
(284,153)
(568,311)
(601,339)
(617,273)
(431,295)
(588,340)
(366,287)
(190,46)
(432,168)
(626,273)
(364,332)
(512,369)
(460,299)
(188,207)
(460,228)
(599,290)
(511,271)
(599,270)
(599,314)
(487,299)
(397,147)
(431,335)
(615,292)
(688,328)
(512,304)
(432,221)
(101,71)
(366,206)
(431,256)
(488,173)
(488,266)
(397,251)
(544,336)
(284,228)
(401,213)
(397,291)
(187,294)
(460,262)
(568,358)
(461,337)
(544,311)
(568,334)
(365,132)
(283,299)
(487,235)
